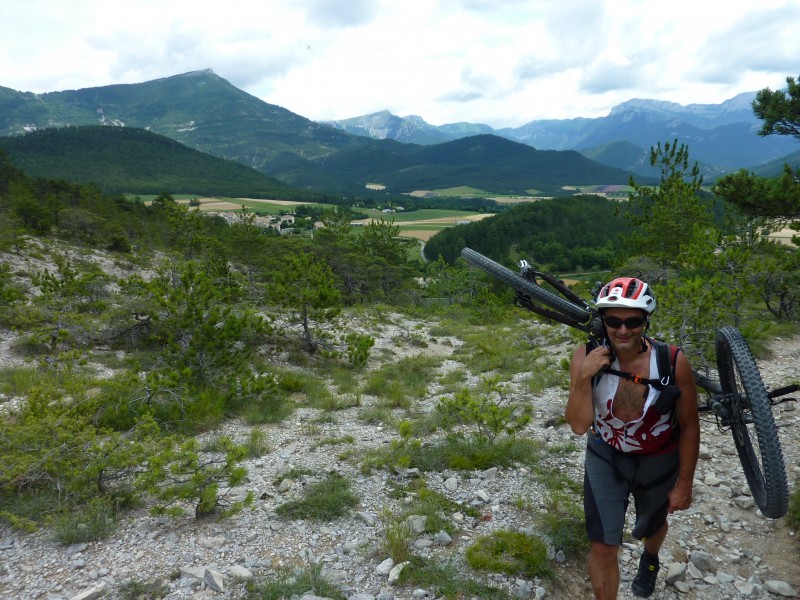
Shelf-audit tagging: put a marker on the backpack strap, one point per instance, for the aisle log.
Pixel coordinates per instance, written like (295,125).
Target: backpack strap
(666,359)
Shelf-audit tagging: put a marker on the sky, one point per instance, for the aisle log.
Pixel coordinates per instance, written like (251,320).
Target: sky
(499,62)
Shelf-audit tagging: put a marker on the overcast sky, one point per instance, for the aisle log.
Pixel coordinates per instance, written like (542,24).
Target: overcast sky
(500,62)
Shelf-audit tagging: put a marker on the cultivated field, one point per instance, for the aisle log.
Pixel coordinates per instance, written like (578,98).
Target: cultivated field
(424,224)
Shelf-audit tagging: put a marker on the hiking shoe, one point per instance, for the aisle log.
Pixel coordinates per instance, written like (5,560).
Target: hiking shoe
(645,581)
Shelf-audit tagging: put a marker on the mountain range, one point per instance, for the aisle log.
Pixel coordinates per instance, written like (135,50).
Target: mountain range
(205,112)
(721,137)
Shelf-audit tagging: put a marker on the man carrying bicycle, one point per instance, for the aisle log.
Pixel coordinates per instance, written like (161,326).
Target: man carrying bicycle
(640,411)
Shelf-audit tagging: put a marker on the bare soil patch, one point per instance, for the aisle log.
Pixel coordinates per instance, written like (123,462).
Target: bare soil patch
(440,220)
(418,234)
(278,202)
(219,205)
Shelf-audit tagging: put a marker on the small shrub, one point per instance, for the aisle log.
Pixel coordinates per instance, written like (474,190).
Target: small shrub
(546,375)
(396,543)
(324,501)
(183,474)
(491,412)
(257,443)
(89,522)
(291,382)
(509,552)
(435,506)
(288,583)
(139,590)
(563,523)
(358,348)
(446,580)
(295,473)
(793,516)
(334,441)
(17,381)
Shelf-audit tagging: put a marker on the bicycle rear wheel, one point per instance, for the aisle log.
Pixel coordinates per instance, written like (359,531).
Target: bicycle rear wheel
(519,283)
(752,425)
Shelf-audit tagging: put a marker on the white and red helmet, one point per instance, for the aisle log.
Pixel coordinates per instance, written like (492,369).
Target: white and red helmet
(626,292)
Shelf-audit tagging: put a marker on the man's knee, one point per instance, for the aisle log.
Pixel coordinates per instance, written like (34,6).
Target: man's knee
(604,553)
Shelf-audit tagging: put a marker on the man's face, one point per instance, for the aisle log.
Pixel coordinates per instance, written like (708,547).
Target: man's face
(625,327)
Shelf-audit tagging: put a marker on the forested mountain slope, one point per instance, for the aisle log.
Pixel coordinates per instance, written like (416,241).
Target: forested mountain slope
(124,159)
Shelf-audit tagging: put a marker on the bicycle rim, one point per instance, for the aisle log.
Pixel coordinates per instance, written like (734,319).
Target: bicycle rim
(753,427)
(519,283)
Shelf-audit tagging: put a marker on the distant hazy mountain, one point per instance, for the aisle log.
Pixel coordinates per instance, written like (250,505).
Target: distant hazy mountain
(206,113)
(412,129)
(775,167)
(722,137)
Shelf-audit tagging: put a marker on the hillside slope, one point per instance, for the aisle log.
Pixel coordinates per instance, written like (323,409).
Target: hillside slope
(124,159)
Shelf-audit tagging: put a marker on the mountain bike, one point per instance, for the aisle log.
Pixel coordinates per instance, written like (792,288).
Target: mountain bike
(739,400)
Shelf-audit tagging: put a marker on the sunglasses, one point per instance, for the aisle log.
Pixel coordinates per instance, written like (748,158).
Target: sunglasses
(630,322)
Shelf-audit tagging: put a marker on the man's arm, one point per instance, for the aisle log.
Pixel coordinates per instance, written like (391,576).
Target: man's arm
(579,412)
(680,497)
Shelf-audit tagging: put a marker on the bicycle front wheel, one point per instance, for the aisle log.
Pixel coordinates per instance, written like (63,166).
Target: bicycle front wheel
(752,425)
(519,283)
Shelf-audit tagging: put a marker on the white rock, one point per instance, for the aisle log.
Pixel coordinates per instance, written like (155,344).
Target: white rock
(92,593)
(676,572)
(215,580)
(394,574)
(385,567)
(780,587)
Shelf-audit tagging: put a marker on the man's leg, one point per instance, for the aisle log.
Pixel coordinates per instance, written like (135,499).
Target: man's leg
(604,570)
(645,581)
(654,542)
(656,476)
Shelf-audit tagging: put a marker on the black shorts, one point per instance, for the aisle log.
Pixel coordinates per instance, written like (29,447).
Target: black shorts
(611,477)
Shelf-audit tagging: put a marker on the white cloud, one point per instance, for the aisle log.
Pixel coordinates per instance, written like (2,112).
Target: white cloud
(501,63)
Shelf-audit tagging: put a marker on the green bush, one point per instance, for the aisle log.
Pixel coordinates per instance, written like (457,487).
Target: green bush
(446,580)
(358,348)
(509,552)
(139,590)
(324,501)
(491,412)
(435,507)
(181,474)
(401,382)
(87,522)
(793,516)
(290,583)
(396,543)
(563,523)
(257,443)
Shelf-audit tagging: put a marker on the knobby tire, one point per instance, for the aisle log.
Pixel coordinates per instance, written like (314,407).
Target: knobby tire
(753,427)
(519,283)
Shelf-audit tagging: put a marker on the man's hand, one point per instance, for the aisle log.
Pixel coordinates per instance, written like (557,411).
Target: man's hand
(597,360)
(680,497)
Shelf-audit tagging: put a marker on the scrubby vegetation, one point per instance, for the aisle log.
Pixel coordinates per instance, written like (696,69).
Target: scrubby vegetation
(200,320)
